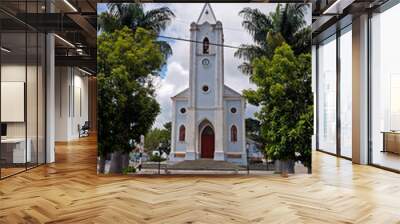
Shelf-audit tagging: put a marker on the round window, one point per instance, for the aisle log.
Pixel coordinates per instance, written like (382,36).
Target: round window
(233,110)
(205,62)
(183,110)
(205,88)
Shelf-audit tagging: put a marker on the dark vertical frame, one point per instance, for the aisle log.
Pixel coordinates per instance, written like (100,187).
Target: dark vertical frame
(73,91)
(26,86)
(369,91)
(69,93)
(338,82)
(317,96)
(46,3)
(60,86)
(37,89)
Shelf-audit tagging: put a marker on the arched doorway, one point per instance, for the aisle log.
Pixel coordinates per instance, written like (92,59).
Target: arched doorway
(207,142)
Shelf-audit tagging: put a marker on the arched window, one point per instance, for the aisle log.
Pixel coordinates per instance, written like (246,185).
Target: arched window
(233,133)
(182,131)
(206,46)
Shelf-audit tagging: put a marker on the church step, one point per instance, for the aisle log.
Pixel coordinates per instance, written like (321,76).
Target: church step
(205,164)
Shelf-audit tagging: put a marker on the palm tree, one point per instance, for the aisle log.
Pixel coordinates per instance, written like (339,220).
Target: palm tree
(285,24)
(133,16)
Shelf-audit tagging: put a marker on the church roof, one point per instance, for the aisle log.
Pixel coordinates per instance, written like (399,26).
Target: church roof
(184,93)
(228,92)
(207,15)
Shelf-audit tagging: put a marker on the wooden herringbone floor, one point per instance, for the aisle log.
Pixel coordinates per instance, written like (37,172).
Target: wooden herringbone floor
(69,191)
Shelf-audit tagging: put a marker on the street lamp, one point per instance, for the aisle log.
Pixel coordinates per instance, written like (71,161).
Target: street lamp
(141,150)
(159,157)
(247,158)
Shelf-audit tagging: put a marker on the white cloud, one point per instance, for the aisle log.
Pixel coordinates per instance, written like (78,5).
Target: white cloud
(177,80)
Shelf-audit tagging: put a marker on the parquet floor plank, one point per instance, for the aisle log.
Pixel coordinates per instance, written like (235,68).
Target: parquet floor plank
(70,191)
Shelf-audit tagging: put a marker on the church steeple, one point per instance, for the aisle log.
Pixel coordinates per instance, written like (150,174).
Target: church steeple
(206,73)
(208,110)
(207,15)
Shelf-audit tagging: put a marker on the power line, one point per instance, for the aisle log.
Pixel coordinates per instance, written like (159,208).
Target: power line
(195,41)
(224,27)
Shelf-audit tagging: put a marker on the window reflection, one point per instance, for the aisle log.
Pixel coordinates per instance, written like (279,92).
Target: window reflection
(327,95)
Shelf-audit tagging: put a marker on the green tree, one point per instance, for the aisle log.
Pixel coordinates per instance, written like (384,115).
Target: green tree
(285,24)
(126,62)
(133,15)
(157,136)
(253,127)
(286,104)
(168,127)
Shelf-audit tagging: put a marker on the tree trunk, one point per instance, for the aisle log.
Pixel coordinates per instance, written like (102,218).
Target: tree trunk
(291,164)
(278,166)
(116,162)
(102,164)
(125,160)
(309,170)
(284,167)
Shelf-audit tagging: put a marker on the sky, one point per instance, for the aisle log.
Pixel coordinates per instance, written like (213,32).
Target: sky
(175,76)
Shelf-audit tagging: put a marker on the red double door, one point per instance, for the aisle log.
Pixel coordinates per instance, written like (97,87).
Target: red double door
(207,143)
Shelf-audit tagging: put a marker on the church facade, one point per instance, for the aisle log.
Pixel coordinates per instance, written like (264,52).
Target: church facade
(208,117)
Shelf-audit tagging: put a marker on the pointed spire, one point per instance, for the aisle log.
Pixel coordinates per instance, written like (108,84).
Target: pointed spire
(207,15)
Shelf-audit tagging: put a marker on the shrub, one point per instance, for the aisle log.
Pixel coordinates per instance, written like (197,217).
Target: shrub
(156,158)
(129,169)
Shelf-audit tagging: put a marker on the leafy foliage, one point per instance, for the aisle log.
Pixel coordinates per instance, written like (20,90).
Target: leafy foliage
(158,136)
(126,62)
(129,169)
(132,15)
(285,24)
(253,127)
(156,158)
(285,96)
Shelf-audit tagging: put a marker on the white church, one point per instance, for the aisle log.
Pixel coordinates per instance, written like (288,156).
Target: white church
(208,117)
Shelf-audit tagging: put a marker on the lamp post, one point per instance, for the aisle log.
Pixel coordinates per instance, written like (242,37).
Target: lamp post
(247,158)
(141,150)
(159,157)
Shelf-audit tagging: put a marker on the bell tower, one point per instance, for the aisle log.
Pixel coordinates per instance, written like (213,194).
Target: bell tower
(206,79)
(206,60)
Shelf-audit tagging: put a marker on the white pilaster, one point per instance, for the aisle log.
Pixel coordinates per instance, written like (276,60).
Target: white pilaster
(173,129)
(219,134)
(190,135)
(219,97)
(243,131)
(191,110)
(219,67)
(192,66)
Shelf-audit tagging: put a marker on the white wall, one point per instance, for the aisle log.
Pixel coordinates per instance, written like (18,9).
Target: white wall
(33,126)
(16,73)
(71,102)
(12,73)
